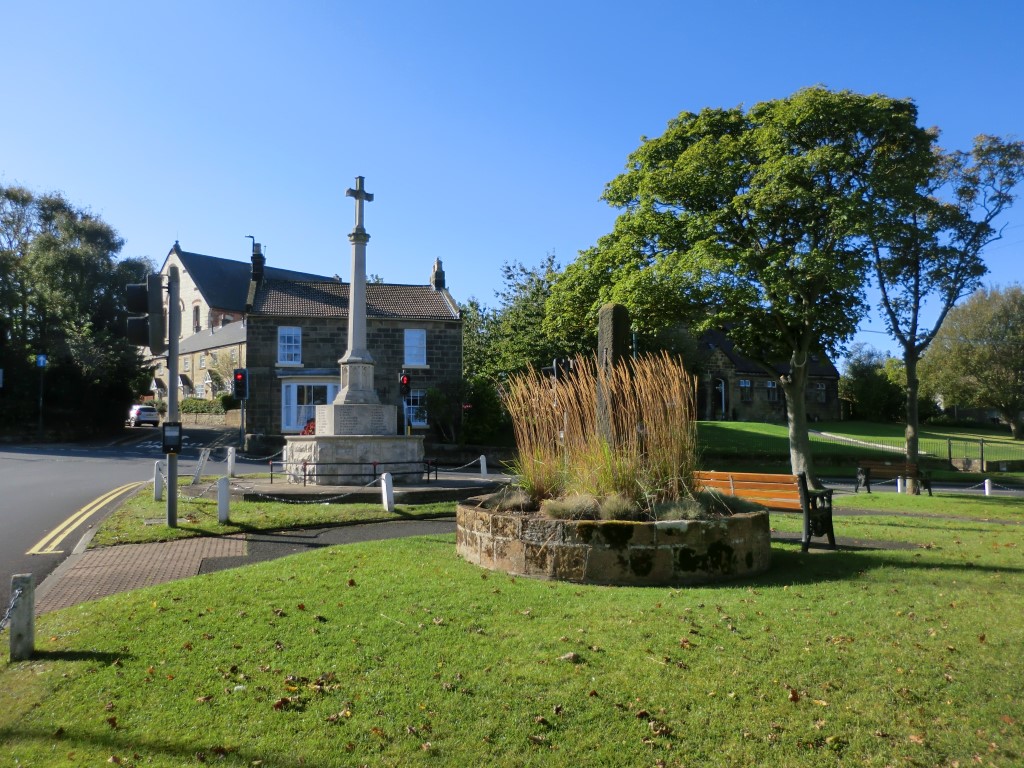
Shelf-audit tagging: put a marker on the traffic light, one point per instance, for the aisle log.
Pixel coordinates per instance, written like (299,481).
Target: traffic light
(403,384)
(240,382)
(147,299)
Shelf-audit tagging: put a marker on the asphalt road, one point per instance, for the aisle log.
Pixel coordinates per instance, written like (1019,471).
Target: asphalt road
(50,495)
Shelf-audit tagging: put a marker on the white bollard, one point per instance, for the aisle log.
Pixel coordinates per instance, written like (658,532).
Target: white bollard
(231,461)
(23,617)
(223,499)
(899,485)
(988,486)
(387,492)
(158,482)
(483,465)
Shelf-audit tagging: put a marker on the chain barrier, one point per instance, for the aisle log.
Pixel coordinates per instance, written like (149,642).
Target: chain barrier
(457,469)
(10,609)
(318,500)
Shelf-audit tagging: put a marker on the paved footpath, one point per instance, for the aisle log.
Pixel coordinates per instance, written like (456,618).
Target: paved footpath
(106,571)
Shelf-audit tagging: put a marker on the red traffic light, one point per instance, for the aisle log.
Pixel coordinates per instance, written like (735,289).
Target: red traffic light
(403,384)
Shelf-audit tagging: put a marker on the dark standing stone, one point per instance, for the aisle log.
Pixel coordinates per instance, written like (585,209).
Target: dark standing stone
(613,337)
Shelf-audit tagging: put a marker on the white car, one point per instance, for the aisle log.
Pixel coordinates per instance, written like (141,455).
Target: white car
(140,415)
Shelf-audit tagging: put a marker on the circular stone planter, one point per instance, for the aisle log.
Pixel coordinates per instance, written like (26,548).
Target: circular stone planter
(613,552)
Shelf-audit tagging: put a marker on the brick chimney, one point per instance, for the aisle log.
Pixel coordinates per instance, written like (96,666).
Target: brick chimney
(437,276)
(258,262)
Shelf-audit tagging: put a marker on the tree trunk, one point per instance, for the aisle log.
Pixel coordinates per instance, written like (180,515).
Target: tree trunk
(795,388)
(912,387)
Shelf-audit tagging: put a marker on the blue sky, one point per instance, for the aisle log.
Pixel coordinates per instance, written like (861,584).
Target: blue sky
(485,130)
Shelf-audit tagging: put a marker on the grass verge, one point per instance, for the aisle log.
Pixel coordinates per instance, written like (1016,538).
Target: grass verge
(141,520)
(399,653)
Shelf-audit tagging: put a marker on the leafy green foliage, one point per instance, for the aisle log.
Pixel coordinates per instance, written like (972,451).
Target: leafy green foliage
(866,385)
(926,245)
(977,357)
(62,295)
(752,223)
(200,405)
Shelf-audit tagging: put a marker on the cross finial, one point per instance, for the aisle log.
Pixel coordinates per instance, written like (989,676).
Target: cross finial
(360,195)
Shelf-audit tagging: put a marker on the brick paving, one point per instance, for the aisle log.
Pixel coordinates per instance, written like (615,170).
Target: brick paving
(100,572)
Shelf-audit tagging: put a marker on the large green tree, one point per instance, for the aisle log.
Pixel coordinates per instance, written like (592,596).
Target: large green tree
(752,222)
(62,294)
(926,248)
(976,359)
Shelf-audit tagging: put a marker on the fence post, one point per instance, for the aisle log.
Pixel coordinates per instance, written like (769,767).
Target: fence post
(223,499)
(483,465)
(231,461)
(387,492)
(949,450)
(158,482)
(23,617)
(981,447)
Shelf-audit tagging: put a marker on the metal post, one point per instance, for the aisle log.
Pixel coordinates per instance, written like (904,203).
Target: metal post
(981,447)
(173,332)
(23,617)
(483,465)
(899,484)
(988,486)
(223,499)
(387,492)
(949,450)
(231,461)
(158,482)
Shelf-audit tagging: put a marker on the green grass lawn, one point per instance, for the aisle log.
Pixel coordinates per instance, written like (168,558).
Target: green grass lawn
(764,447)
(399,653)
(140,519)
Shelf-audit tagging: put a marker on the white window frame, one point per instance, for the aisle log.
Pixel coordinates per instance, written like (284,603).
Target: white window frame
(415,354)
(773,391)
(234,354)
(821,392)
(186,364)
(746,391)
(294,415)
(202,360)
(289,345)
(416,408)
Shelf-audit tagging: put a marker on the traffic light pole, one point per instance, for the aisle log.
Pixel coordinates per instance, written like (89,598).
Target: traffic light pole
(173,332)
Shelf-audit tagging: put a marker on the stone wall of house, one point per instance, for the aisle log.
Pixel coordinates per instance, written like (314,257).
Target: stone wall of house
(324,341)
(759,406)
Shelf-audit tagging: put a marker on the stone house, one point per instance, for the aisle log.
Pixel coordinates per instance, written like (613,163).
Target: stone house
(734,388)
(213,291)
(297,332)
(205,362)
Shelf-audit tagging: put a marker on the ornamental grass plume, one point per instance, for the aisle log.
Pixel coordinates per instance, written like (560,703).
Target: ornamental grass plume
(648,450)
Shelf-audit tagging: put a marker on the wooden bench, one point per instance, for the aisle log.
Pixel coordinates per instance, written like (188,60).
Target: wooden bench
(782,492)
(888,469)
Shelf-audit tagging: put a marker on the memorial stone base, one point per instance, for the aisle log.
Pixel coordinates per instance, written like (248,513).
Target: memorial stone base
(353,459)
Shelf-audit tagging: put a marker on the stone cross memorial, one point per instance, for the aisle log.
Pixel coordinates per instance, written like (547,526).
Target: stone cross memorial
(355,435)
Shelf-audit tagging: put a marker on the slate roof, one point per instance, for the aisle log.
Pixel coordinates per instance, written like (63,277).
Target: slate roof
(820,365)
(212,338)
(225,283)
(329,298)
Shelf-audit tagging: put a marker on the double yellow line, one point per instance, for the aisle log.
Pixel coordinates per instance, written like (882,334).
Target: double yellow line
(48,546)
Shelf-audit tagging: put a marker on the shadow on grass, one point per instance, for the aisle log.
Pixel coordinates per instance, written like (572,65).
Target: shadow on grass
(791,566)
(140,748)
(93,656)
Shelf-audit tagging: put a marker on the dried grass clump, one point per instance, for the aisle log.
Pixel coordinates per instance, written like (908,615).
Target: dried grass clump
(576,507)
(646,451)
(511,499)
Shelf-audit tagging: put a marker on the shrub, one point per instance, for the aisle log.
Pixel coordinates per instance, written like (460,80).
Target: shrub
(197,405)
